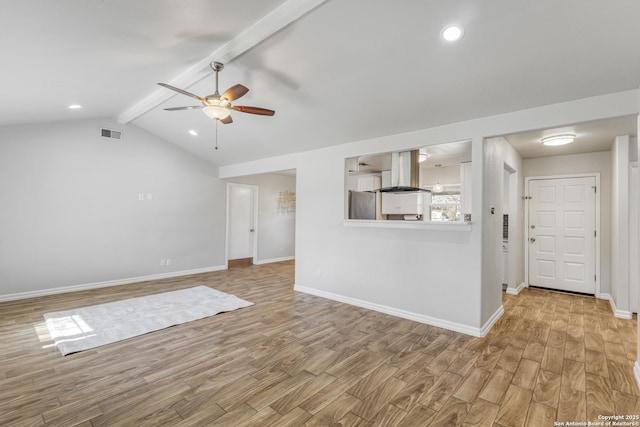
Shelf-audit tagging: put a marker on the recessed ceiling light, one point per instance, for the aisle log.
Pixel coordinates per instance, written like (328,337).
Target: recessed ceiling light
(558,139)
(74,107)
(452,33)
(193,132)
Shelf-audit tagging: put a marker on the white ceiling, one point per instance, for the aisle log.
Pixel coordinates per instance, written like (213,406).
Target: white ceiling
(345,71)
(590,137)
(447,154)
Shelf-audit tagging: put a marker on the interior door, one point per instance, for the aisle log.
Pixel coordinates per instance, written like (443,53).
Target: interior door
(241,221)
(562,234)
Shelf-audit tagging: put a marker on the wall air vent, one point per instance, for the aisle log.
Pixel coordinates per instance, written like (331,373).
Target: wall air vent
(111,133)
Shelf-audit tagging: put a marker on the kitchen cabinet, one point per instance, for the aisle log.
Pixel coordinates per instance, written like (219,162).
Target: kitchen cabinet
(386,179)
(369,183)
(352,165)
(402,203)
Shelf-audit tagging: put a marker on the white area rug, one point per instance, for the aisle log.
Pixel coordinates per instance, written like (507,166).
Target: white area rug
(93,326)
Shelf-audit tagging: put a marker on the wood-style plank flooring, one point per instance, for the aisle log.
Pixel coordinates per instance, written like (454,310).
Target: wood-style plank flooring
(295,359)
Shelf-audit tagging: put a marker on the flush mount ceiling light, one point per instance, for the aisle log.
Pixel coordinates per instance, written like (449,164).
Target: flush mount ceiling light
(422,157)
(452,33)
(193,132)
(74,107)
(554,140)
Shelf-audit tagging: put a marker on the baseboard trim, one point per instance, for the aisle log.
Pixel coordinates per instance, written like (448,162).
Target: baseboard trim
(433,321)
(636,373)
(492,320)
(516,291)
(271,260)
(107,283)
(620,314)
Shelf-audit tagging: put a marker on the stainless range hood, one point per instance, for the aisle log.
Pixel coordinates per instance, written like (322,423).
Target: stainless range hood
(405,172)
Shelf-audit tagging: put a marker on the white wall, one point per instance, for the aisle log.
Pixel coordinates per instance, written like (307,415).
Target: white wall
(498,153)
(505,195)
(492,225)
(584,163)
(379,266)
(620,224)
(276,230)
(509,159)
(634,237)
(436,275)
(444,175)
(636,367)
(70,212)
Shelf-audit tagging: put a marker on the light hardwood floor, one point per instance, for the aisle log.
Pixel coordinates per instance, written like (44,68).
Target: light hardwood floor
(295,359)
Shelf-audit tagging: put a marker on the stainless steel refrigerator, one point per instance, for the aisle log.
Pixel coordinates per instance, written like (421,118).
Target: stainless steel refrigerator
(362,205)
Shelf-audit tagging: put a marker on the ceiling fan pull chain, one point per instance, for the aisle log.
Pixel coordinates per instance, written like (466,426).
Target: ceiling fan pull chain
(216,134)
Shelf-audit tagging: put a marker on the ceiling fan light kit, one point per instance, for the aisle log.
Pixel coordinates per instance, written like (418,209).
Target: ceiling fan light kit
(217,112)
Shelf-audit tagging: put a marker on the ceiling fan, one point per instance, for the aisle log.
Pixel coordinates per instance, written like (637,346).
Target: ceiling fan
(216,106)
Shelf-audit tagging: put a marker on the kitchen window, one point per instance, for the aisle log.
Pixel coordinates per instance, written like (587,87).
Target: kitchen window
(446,207)
(430,184)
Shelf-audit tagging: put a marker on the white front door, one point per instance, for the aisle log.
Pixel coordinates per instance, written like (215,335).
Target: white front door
(561,235)
(241,228)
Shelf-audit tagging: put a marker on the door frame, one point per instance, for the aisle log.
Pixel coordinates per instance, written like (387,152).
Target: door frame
(514,241)
(254,249)
(527,179)
(634,246)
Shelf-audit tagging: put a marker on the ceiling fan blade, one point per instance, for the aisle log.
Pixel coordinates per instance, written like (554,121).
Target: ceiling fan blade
(192,107)
(184,92)
(227,120)
(235,92)
(254,110)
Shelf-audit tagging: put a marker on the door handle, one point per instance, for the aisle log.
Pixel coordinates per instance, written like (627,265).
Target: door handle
(251,230)
(532,239)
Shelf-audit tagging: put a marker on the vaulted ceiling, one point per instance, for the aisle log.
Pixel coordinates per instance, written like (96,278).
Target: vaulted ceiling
(340,71)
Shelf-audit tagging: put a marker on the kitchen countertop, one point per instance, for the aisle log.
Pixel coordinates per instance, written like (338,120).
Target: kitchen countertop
(414,225)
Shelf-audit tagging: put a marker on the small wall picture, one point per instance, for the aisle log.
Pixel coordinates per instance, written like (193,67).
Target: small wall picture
(286,202)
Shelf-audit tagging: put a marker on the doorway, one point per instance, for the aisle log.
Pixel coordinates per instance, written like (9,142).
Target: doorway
(242,202)
(562,233)
(508,174)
